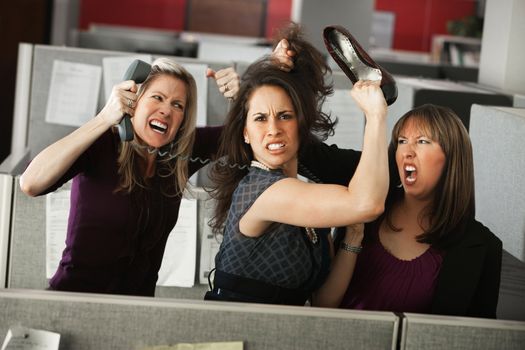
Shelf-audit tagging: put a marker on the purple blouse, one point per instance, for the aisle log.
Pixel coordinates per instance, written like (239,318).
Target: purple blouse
(385,283)
(115,241)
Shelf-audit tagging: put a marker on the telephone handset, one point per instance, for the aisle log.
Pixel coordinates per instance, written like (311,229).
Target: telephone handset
(137,71)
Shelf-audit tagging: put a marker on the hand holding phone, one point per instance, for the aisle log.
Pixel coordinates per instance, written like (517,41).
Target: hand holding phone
(138,71)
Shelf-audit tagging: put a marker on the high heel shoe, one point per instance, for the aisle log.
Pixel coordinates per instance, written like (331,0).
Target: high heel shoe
(355,62)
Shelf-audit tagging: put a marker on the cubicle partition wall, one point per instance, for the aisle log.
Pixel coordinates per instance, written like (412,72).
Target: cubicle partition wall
(445,332)
(498,144)
(89,321)
(6,193)
(153,42)
(414,92)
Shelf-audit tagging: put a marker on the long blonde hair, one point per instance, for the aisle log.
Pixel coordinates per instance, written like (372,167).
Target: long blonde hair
(175,163)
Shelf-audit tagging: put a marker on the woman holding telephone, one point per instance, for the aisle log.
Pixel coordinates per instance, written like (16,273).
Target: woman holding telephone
(125,196)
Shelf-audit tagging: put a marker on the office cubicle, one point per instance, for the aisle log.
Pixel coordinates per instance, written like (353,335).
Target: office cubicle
(90,321)
(27,267)
(446,332)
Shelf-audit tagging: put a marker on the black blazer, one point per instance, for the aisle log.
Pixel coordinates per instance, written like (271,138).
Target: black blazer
(469,279)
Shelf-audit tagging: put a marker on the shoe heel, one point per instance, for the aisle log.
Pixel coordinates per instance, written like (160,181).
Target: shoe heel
(390,92)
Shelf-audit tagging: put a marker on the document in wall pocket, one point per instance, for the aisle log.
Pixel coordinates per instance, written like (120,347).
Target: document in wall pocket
(137,71)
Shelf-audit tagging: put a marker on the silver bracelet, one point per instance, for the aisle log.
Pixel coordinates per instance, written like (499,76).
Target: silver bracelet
(350,248)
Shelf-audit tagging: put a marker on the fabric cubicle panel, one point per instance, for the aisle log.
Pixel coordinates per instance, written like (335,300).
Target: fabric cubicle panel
(118,322)
(446,332)
(6,191)
(27,246)
(499,159)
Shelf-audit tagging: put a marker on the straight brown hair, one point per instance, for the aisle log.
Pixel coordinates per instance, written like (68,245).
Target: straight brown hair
(454,203)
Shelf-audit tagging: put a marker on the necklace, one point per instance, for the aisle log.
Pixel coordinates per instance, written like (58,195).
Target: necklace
(310,232)
(259,165)
(312,235)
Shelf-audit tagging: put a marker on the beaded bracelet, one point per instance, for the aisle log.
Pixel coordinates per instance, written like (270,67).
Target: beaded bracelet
(350,248)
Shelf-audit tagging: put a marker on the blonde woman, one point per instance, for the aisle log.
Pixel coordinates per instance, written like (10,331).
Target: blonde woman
(125,196)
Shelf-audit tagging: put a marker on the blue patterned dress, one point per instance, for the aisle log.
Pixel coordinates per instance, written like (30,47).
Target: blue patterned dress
(283,256)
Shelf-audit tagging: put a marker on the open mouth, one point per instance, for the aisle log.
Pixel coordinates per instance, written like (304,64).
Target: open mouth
(275,146)
(158,126)
(410,174)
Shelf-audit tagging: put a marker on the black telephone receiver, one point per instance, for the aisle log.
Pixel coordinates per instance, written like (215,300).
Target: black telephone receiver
(137,71)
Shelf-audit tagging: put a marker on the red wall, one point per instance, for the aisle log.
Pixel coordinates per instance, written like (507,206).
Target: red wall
(160,14)
(417,20)
(279,12)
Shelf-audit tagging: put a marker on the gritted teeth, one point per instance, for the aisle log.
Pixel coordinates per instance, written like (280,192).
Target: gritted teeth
(274,146)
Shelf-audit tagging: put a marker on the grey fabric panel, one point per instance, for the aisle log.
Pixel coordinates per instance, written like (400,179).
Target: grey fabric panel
(499,159)
(132,323)
(196,292)
(454,336)
(511,302)
(27,266)
(42,133)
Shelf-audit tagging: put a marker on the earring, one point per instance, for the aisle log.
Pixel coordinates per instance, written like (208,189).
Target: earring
(246,140)
(400,185)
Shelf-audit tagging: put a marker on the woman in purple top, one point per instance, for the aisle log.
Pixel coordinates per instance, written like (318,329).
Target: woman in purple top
(426,253)
(125,196)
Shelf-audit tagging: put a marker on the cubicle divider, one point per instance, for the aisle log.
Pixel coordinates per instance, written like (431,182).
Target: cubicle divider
(499,159)
(447,332)
(6,194)
(90,321)
(27,245)
(124,322)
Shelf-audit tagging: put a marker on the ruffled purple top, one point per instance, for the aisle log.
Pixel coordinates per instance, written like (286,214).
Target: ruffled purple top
(385,283)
